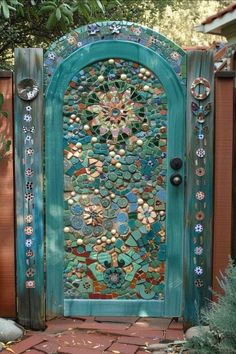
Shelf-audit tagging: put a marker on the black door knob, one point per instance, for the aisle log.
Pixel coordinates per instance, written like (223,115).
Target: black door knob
(176,179)
(176,163)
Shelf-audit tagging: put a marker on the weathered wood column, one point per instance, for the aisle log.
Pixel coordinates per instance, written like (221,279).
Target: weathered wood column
(29,186)
(199,183)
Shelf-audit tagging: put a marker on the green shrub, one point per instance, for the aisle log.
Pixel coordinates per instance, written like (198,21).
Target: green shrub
(221,318)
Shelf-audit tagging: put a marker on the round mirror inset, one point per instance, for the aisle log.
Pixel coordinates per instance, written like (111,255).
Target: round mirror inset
(27,89)
(200,88)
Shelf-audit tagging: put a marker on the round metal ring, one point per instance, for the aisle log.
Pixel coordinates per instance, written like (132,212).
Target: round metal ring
(27,89)
(207,88)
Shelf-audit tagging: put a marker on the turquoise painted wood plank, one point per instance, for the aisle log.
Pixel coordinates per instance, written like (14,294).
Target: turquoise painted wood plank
(29,192)
(54,170)
(198,244)
(142,308)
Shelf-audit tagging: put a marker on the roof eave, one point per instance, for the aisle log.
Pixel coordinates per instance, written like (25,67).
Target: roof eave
(206,29)
(218,24)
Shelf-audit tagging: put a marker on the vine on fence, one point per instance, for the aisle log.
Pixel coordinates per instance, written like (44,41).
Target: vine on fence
(4,142)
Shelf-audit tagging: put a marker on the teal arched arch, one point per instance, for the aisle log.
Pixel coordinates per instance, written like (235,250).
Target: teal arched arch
(117,31)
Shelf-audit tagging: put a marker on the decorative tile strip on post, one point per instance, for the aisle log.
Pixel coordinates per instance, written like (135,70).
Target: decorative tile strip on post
(199,188)
(29,186)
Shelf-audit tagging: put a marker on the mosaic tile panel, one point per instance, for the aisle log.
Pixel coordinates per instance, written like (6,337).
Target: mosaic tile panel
(115,146)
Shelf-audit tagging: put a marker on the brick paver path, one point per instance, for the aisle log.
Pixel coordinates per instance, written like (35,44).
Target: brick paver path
(95,335)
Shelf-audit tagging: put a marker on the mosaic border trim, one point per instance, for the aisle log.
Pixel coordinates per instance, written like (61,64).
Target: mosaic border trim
(115,30)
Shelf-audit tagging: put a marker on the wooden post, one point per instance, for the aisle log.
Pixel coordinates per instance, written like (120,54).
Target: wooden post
(199,183)
(7,234)
(29,189)
(223,218)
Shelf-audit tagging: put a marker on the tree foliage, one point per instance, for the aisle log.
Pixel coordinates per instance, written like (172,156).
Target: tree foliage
(178,22)
(37,23)
(31,23)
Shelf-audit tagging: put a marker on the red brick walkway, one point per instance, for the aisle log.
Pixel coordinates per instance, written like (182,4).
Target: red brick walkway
(95,335)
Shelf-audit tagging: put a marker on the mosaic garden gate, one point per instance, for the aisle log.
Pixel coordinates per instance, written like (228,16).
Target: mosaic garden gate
(115,168)
(115,103)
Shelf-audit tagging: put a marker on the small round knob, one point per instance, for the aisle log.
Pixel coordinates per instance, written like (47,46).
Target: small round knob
(176,163)
(176,179)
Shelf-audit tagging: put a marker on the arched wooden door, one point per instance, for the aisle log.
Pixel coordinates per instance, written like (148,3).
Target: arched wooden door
(114,216)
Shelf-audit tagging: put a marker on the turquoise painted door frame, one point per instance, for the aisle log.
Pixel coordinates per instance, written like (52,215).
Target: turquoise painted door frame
(101,50)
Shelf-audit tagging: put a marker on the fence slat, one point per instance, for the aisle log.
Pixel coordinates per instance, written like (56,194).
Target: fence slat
(224,181)
(7,236)
(29,190)
(199,187)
